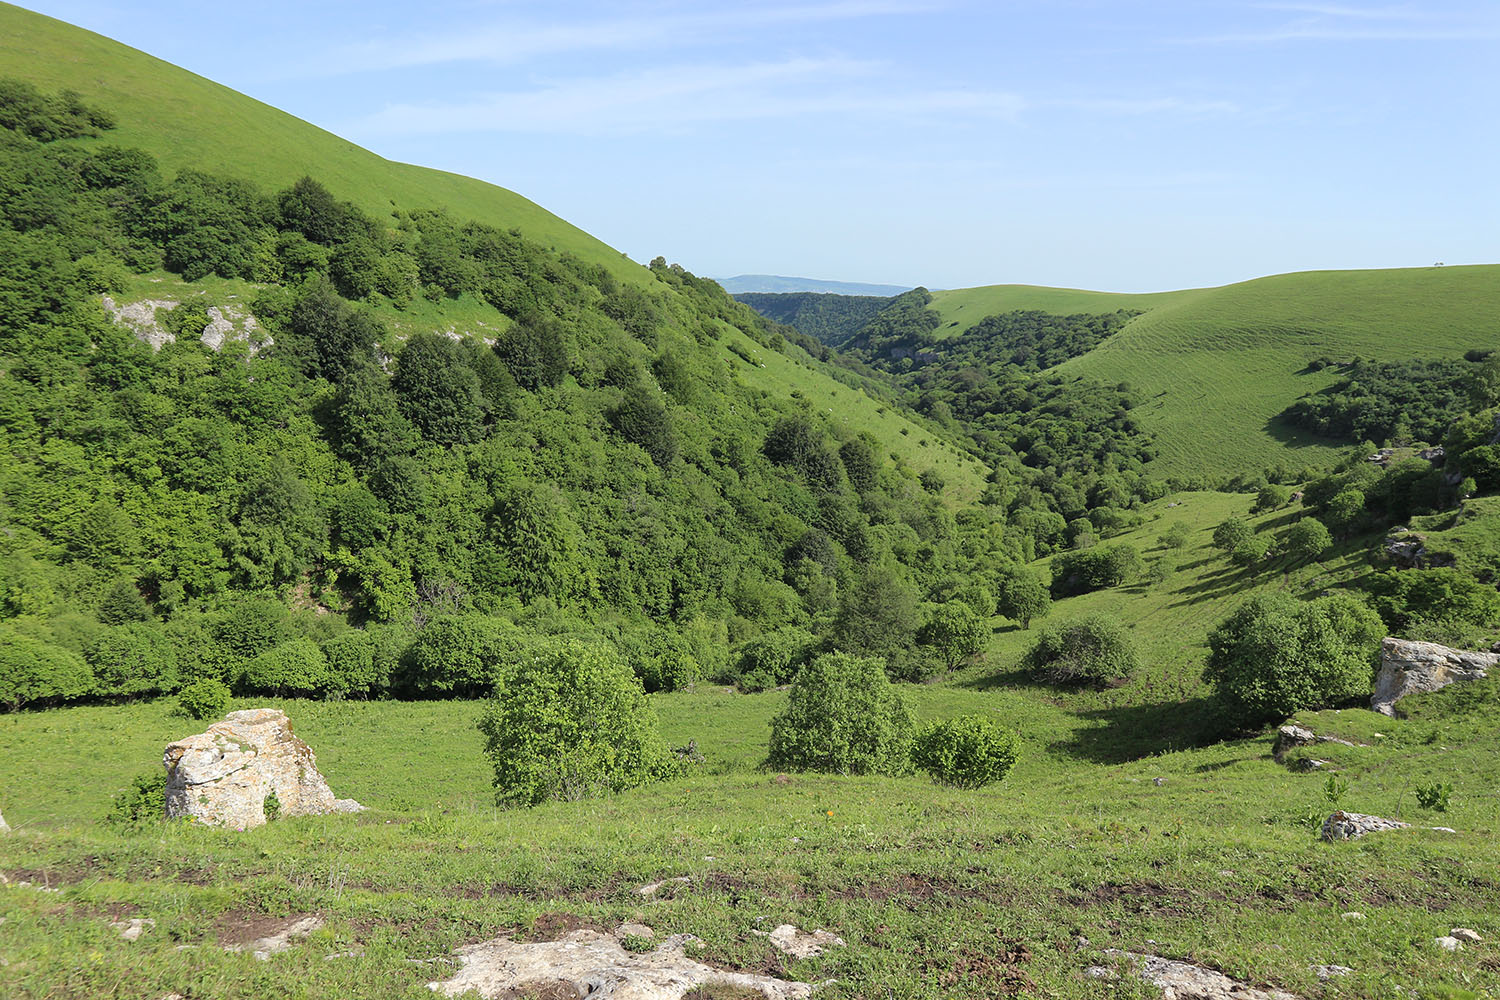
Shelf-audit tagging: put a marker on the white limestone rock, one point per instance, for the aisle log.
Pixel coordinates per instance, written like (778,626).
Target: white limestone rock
(1342,825)
(223,777)
(1408,667)
(1185,981)
(788,940)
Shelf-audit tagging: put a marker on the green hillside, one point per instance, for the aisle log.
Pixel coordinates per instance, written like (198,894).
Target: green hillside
(1216,365)
(185,120)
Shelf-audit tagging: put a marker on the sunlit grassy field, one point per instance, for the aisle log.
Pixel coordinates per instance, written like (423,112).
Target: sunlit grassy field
(938,892)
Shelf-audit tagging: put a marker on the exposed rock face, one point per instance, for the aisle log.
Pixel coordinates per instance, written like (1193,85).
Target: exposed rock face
(222,777)
(1184,981)
(225,323)
(594,964)
(1292,736)
(1349,826)
(1414,667)
(788,940)
(1406,549)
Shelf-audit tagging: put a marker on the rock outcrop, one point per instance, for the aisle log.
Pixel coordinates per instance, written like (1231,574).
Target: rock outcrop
(1350,826)
(1414,667)
(588,962)
(789,940)
(1185,981)
(1292,736)
(224,776)
(225,323)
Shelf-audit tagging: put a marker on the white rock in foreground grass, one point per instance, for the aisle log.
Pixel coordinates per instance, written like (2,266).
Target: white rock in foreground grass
(4,827)
(1464,934)
(596,965)
(1342,825)
(1448,943)
(788,940)
(1184,981)
(132,929)
(224,776)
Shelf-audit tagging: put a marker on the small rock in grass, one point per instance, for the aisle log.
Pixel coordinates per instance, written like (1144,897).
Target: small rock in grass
(787,939)
(1448,943)
(1158,781)
(1327,972)
(132,929)
(1353,915)
(634,930)
(650,889)
(1464,934)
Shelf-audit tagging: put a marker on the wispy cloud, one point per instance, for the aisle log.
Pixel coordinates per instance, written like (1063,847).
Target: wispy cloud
(670,99)
(1150,106)
(516,41)
(1351,23)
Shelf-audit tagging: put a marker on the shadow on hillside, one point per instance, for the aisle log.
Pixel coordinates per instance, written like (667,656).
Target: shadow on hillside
(1131,732)
(1292,436)
(1219,584)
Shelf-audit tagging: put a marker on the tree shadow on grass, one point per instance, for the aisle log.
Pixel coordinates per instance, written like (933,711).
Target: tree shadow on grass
(1131,732)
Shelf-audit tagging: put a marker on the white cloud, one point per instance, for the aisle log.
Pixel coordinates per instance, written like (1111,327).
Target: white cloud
(668,99)
(517,41)
(1349,23)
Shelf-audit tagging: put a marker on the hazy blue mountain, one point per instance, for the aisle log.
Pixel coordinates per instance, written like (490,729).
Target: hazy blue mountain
(778,283)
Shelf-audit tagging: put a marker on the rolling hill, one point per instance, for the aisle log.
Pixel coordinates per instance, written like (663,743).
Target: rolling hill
(1216,365)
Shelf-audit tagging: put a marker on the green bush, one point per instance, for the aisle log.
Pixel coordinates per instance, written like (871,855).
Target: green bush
(967,752)
(32,670)
(205,699)
(1094,569)
(571,721)
(1251,552)
(141,802)
(292,668)
(1308,539)
(1276,655)
(134,659)
(353,664)
(1231,533)
(1272,497)
(661,658)
(1023,597)
(771,659)
(460,655)
(843,716)
(1089,651)
(953,632)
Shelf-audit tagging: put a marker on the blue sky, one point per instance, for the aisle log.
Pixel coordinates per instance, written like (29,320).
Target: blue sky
(1115,145)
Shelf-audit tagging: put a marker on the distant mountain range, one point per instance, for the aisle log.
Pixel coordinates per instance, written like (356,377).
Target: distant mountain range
(778,283)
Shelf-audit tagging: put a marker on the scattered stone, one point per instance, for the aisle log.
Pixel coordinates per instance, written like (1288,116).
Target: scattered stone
(132,929)
(1158,782)
(351,953)
(1353,915)
(273,944)
(1327,972)
(4,827)
(1184,981)
(1464,934)
(788,940)
(1349,826)
(1414,667)
(223,777)
(595,965)
(1442,829)
(347,806)
(652,888)
(1312,764)
(1448,943)
(634,930)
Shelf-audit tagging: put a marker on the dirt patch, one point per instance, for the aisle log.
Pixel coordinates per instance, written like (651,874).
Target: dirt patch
(998,972)
(556,926)
(239,928)
(542,989)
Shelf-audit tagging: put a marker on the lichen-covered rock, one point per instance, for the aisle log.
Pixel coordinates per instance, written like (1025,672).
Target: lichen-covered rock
(223,777)
(1185,981)
(1349,826)
(595,964)
(789,940)
(1408,667)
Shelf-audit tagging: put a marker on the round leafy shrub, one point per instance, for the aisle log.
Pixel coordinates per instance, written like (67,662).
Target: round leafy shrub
(953,632)
(1023,597)
(292,668)
(1308,539)
(34,670)
(133,659)
(1276,655)
(353,664)
(843,716)
(1230,533)
(966,752)
(570,721)
(460,655)
(1089,651)
(205,699)
(772,659)
(1251,551)
(143,801)
(661,658)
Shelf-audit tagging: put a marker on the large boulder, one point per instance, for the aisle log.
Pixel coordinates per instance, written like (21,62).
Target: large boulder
(1342,825)
(223,777)
(1414,667)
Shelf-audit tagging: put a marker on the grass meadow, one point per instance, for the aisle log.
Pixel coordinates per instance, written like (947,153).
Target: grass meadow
(1114,830)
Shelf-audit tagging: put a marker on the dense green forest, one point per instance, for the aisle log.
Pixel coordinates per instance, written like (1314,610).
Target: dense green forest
(827,318)
(1400,402)
(593,470)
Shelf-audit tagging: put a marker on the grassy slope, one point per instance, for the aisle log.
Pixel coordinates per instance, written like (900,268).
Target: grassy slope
(188,121)
(1214,366)
(937,891)
(918,447)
